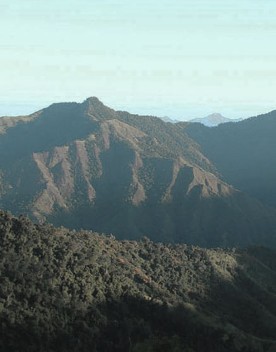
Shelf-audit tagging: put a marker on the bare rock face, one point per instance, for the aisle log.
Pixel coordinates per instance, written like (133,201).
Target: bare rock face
(88,166)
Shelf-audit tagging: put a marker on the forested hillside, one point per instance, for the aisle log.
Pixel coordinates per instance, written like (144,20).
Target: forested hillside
(63,290)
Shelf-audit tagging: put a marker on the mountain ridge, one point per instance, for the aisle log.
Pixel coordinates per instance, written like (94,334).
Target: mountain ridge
(88,166)
(244,153)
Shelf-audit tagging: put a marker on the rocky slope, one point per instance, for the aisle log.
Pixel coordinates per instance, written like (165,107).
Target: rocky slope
(88,166)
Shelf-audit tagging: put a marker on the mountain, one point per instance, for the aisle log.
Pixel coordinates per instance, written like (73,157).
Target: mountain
(244,153)
(74,291)
(88,166)
(213,120)
(168,119)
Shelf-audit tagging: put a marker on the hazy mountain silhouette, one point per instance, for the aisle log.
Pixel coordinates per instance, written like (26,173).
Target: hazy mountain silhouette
(213,120)
(168,119)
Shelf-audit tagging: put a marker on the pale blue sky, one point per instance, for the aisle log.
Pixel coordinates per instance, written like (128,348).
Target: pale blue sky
(178,58)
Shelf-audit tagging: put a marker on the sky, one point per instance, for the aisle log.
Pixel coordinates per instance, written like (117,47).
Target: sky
(176,58)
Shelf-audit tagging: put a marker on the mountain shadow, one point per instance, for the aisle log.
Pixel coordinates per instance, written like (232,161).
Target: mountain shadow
(243,153)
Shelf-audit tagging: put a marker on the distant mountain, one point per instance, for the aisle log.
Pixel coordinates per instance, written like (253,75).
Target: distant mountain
(168,119)
(65,291)
(214,120)
(244,153)
(88,166)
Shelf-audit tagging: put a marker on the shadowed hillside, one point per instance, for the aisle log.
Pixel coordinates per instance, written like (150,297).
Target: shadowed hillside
(244,153)
(62,290)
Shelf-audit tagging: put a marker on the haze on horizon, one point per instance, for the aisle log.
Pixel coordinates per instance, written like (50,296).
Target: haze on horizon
(183,59)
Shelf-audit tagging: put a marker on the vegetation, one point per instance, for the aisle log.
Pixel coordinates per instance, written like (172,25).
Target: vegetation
(63,290)
(243,153)
(88,166)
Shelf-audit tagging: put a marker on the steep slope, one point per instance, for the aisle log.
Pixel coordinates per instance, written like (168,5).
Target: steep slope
(244,153)
(7,122)
(88,166)
(63,290)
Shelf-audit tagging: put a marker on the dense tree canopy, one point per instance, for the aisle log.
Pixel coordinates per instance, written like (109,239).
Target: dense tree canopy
(63,290)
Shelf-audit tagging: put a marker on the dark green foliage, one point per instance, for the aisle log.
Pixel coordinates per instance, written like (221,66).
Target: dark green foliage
(63,290)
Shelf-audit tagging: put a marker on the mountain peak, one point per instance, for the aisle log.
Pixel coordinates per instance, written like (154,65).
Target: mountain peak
(213,120)
(93,103)
(216,115)
(95,108)
(93,100)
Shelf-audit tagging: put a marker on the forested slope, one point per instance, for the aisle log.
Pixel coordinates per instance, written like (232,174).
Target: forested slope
(63,290)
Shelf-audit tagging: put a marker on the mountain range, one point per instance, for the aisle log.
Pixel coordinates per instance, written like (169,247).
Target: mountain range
(211,120)
(88,166)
